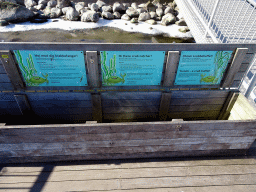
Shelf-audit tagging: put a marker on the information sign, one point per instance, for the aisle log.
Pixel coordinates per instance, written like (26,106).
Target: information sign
(126,68)
(52,68)
(202,67)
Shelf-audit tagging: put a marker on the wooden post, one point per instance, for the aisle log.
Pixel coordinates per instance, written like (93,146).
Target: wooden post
(23,104)
(96,107)
(11,69)
(93,70)
(171,68)
(164,106)
(234,67)
(228,105)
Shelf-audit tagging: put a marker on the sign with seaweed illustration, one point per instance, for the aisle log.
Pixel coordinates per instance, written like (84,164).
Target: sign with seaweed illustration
(127,68)
(52,68)
(202,67)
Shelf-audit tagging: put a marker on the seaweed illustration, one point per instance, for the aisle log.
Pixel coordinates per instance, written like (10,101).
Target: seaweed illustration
(29,72)
(220,61)
(109,72)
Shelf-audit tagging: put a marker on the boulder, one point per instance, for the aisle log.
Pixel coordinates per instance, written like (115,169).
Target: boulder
(117,15)
(144,16)
(119,7)
(81,3)
(159,12)
(169,10)
(153,15)
(85,9)
(44,2)
(63,3)
(168,19)
(151,22)
(134,5)
(55,12)
(14,13)
(158,18)
(132,12)
(40,7)
(94,7)
(150,7)
(181,22)
(3,22)
(65,9)
(134,20)
(29,3)
(47,11)
(72,14)
(106,8)
(126,17)
(126,5)
(107,15)
(141,10)
(78,7)
(184,29)
(90,16)
(52,3)
(100,3)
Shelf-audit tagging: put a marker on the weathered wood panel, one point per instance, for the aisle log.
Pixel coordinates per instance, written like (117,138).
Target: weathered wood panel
(4,78)
(2,70)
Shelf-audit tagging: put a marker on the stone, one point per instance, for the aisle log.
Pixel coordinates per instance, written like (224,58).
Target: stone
(168,19)
(52,3)
(83,10)
(78,7)
(94,7)
(44,2)
(55,12)
(153,15)
(81,3)
(14,13)
(151,22)
(158,18)
(184,29)
(29,3)
(132,12)
(47,11)
(65,9)
(126,5)
(117,15)
(100,3)
(107,15)
(72,14)
(141,10)
(90,16)
(3,22)
(181,22)
(40,7)
(63,3)
(134,20)
(134,5)
(169,10)
(32,9)
(150,7)
(144,16)
(126,17)
(119,7)
(159,12)
(107,8)
(142,5)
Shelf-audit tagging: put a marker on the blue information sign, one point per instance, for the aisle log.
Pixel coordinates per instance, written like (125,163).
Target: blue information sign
(126,68)
(52,68)
(202,67)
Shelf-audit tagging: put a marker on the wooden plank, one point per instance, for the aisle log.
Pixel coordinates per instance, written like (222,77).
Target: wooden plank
(227,107)
(2,70)
(6,86)
(146,109)
(63,103)
(244,67)
(23,104)
(96,108)
(234,67)
(93,69)
(171,68)
(11,69)
(131,95)
(246,111)
(129,103)
(36,96)
(164,106)
(62,110)
(193,108)
(4,78)
(131,116)
(199,94)
(201,101)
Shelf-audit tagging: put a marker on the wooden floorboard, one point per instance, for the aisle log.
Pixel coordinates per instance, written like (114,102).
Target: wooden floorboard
(157,175)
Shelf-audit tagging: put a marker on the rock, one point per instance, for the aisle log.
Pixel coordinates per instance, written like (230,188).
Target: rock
(184,29)
(47,11)
(14,13)
(55,12)
(29,3)
(169,10)
(52,3)
(107,15)
(158,18)
(151,22)
(100,3)
(83,10)
(90,16)
(107,8)
(3,22)
(181,22)
(40,7)
(94,7)
(141,10)
(81,3)
(44,2)
(72,14)
(134,5)
(132,12)
(144,16)
(159,12)
(150,7)
(119,7)
(65,9)
(32,9)
(168,19)
(63,3)
(153,15)
(78,7)
(117,15)
(134,20)
(126,5)
(126,17)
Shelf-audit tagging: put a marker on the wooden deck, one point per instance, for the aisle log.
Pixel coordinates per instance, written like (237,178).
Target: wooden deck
(236,174)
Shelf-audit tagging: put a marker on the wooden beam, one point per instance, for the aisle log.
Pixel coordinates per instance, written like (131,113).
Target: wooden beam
(96,108)
(228,105)
(93,70)
(234,67)
(171,68)
(164,106)
(23,104)
(11,69)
